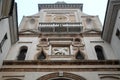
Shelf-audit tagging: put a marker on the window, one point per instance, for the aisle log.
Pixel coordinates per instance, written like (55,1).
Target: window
(22,53)
(79,55)
(118,33)
(3,41)
(41,56)
(99,52)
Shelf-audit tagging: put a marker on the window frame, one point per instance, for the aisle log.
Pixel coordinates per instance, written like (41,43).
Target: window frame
(118,33)
(3,41)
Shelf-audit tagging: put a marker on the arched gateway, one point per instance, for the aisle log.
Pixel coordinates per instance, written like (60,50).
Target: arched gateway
(61,76)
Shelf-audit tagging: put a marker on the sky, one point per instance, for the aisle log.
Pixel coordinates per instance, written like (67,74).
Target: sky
(91,7)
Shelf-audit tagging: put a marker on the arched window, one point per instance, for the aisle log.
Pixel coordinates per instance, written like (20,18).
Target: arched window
(99,52)
(22,53)
(79,55)
(41,56)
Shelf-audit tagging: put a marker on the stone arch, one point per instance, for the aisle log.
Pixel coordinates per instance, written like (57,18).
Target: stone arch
(64,75)
(109,78)
(22,53)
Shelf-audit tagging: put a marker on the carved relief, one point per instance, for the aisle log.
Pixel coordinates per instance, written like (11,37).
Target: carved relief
(48,18)
(60,51)
(32,21)
(72,18)
(60,17)
(43,42)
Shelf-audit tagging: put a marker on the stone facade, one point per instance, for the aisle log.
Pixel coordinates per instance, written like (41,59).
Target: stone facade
(60,42)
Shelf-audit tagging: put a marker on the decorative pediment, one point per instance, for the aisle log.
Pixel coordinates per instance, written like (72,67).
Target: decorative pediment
(28,32)
(92,31)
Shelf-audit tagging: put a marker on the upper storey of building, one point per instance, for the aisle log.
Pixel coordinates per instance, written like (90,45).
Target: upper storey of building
(60,5)
(60,18)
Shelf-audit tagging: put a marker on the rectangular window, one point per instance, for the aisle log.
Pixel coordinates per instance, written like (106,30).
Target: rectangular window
(118,33)
(3,41)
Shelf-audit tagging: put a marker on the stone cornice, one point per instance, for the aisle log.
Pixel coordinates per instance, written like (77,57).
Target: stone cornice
(62,62)
(46,66)
(57,69)
(60,6)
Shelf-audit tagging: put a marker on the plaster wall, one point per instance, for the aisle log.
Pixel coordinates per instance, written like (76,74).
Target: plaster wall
(91,42)
(30,42)
(4,29)
(115,42)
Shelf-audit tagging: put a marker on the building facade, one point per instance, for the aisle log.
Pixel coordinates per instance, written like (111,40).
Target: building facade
(60,42)
(8,27)
(111,25)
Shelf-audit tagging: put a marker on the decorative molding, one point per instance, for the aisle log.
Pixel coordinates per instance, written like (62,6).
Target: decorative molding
(60,6)
(30,32)
(114,63)
(78,44)
(112,76)
(96,41)
(16,77)
(57,69)
(67,62)
(24,42)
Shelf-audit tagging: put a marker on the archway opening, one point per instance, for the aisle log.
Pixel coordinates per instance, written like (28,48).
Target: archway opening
(58,76)
(99,52)
(22,53)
